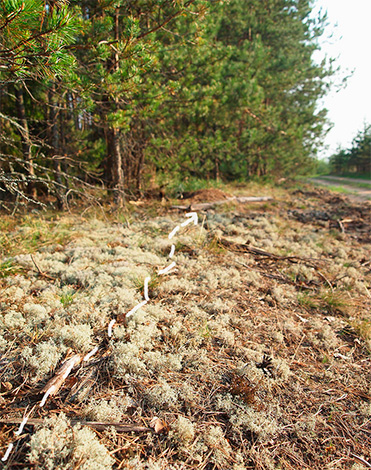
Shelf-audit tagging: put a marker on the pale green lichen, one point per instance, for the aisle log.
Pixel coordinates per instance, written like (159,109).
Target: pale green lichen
(57,446)
(127,360)
(244,418)
(182,431)
(163,396)
(78,337)
(112,410)
(43,358)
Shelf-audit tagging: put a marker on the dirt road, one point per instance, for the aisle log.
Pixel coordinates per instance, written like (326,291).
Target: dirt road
(355,193)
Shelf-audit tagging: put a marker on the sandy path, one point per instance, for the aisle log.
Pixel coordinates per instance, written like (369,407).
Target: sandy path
(355,193)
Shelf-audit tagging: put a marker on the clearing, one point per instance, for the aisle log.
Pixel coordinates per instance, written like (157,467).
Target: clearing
(252,351)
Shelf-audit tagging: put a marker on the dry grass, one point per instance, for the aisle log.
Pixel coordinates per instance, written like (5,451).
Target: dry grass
(254,351)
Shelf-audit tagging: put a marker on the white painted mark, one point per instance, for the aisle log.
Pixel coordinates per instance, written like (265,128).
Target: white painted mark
(68,370)
(173,232)
(21,426)
(89,355)
(146,281)
(193,217)
(45,397)
(111,323)
(168,268)
(137,307)
(8,451)
(172,251)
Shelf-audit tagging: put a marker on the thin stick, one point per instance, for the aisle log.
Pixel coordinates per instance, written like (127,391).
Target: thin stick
(98,425)
(39,270)
(361,460)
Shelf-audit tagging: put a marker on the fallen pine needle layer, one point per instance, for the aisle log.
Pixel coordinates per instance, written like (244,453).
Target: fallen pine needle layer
(252,352)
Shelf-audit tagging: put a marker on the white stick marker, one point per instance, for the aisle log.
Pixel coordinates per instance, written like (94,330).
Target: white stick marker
(89,355)
(45,397)
(7,453)
(173,232)
(193,217)
(21,426)
(172,251)
(146,281)
(137,307)
(168,268)
(111,323)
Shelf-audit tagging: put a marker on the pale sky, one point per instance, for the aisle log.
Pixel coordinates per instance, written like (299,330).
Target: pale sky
(349,108)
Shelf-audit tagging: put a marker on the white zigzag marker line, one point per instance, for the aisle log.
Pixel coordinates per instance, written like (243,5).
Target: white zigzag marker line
(146,281)
(8,451)
(168,268)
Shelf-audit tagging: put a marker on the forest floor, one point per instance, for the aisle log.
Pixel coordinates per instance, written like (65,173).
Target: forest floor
(251,352)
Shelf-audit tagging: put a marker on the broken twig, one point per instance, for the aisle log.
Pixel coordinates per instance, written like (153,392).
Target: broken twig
(98,425)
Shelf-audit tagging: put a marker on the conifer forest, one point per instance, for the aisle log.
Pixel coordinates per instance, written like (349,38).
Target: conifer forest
(119,94)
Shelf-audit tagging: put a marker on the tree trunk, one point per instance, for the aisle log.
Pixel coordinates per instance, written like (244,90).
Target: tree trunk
(115,163)
(114,144)
(26,141)
(54,140)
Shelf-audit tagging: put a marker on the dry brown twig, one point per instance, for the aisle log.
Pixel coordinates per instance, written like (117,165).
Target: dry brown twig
(42,274)
(98,425)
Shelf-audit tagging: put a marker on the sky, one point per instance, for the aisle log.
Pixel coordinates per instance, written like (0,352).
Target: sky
(350,108)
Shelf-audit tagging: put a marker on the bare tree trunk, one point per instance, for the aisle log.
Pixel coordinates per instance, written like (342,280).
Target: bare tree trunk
(25,139)
(115,163)
(54,137)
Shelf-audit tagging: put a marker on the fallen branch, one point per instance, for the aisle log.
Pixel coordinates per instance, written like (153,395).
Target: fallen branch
(246,248)
(276,277)
(98,425)
(41,273)
(208,205)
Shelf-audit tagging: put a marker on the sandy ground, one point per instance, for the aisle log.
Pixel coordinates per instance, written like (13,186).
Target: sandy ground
(356,194)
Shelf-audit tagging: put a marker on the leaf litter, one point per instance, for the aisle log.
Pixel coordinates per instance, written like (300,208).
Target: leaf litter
(252,353)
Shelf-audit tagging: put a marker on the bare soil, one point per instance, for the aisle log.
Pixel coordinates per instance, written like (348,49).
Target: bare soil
(356,194)
(253,351)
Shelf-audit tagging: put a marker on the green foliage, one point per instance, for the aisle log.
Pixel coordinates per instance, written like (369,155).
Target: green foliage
(67,298)
(247,98)
(138,90)
(8,268)
(356,159)
(33,37)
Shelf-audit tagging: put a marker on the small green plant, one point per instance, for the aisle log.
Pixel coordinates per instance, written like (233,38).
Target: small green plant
(308,300)
(8,268)
(363,328)
(325,359)
(67,298)
(205,331)
(154,282)
(213,245)
(333,300)
(326,299)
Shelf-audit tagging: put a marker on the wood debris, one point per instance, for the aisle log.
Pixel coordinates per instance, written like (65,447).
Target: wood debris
(54,384)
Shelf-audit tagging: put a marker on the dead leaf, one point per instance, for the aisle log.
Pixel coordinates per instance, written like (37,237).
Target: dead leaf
(159,426)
